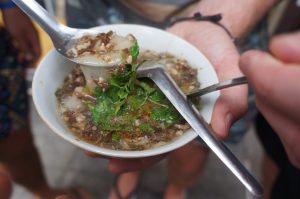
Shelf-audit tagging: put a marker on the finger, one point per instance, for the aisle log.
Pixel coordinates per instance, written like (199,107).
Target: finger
(126,165)
(259,69)
(282,123)
(286,47)
(273,80)
(232,103)
(286,128)
(230,106)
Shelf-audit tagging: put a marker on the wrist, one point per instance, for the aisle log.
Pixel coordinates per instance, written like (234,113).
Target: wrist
(200,30)
(239,17)
(205,36)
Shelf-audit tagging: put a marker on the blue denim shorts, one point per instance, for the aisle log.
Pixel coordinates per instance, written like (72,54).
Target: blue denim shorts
(13,88)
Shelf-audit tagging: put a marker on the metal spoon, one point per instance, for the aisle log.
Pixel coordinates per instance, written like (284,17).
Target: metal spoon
(219,86)
(63,37)
(156,72)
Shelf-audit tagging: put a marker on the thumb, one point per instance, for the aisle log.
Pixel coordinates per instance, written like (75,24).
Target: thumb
(286,47)
(260,69)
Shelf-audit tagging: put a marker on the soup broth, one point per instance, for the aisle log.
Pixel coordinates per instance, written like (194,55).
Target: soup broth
(125,113)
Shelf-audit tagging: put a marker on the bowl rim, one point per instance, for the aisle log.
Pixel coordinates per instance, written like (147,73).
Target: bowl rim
(104,151)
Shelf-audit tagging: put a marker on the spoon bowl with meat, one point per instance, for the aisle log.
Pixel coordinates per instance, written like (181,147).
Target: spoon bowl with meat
(88,47)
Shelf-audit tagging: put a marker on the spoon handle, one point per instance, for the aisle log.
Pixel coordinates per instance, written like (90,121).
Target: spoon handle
(220,85)
(43,18)
(201,127)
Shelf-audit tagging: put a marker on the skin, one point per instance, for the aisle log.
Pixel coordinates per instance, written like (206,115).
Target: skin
(277,93)
(24,35)
(232,103)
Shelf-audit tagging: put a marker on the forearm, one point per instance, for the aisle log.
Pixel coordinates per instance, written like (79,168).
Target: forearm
(238,16)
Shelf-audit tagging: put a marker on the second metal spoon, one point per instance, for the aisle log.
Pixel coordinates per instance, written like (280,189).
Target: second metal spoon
(219,86)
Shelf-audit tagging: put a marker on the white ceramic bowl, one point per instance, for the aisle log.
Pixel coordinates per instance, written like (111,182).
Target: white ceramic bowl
(53,68)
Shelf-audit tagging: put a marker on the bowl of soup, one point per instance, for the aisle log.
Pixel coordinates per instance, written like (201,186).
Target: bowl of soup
(128,123)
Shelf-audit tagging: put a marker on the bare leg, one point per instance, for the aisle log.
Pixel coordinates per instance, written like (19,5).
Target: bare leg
(20,159)
(126,183)
(184,166)
(5,186)
(269,175)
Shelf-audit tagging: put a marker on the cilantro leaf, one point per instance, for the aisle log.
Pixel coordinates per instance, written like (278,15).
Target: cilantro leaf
(146,128)
(116,136)
(165,114)
(157,96)
(134,51)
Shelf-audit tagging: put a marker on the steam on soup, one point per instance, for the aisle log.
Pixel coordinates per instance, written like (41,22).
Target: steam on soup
(123,112)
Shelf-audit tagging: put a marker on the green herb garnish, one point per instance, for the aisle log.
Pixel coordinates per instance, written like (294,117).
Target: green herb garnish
(165,114)
(146,128)
(134,51)
(128,100)
(116,136)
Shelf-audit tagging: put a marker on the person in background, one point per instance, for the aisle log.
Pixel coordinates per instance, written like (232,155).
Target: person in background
(211,39)
(19,158)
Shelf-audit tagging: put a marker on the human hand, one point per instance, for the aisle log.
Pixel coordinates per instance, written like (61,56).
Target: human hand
(120,165)
(24,35)
(276,80)
(218,47)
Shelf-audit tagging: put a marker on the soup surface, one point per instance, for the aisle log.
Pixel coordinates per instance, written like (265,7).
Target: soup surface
(104,49)
(123,112)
